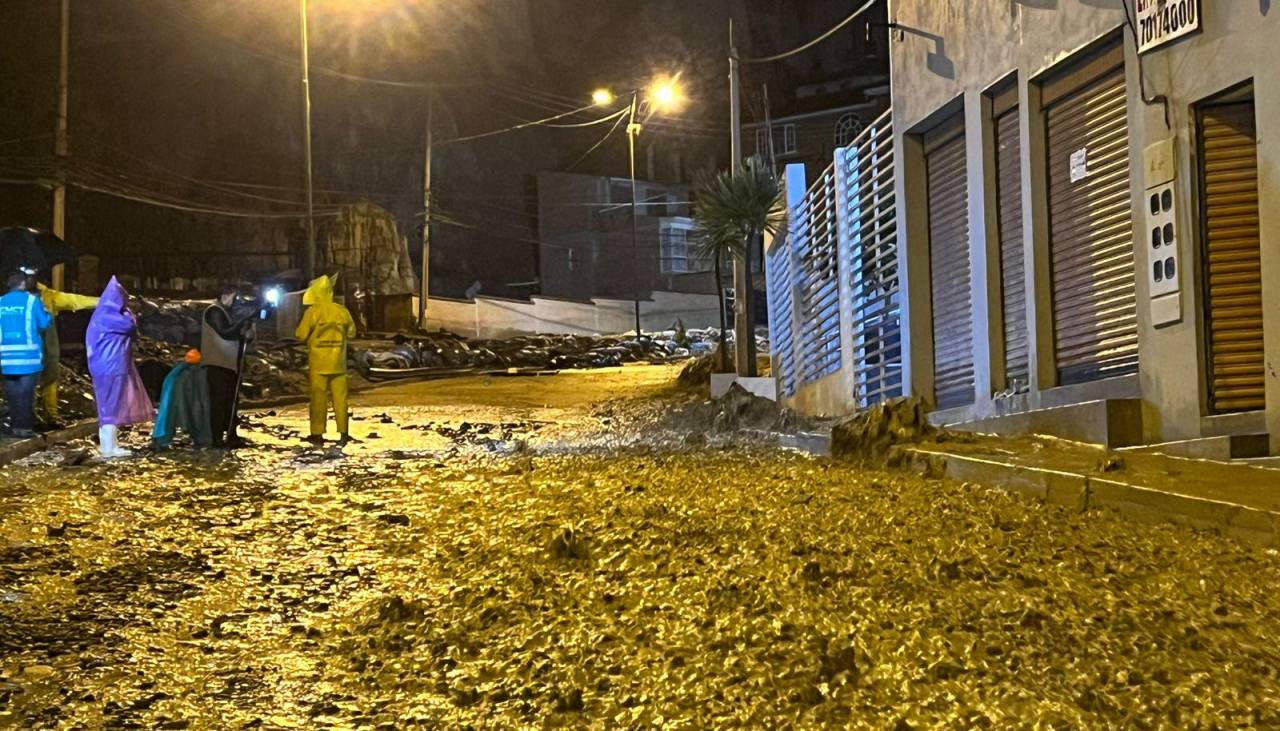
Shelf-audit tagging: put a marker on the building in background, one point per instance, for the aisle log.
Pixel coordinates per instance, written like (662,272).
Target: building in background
(800,109)
(585,249)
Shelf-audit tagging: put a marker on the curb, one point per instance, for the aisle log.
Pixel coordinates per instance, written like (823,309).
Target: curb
(1082,492)
(27,447)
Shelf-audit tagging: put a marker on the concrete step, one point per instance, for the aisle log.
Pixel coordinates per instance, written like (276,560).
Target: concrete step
(1109,422)
(1238,499)
(1221,448)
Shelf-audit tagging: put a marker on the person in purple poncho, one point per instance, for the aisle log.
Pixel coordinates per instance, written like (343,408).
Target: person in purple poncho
(122,397)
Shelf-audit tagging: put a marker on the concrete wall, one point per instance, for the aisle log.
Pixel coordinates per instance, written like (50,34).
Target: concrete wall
(951,53)
(493,317)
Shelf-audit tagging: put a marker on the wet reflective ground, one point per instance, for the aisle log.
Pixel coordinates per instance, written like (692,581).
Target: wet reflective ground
(514,553)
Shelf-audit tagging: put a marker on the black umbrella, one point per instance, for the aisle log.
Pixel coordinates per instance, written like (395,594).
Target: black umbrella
(56,251)
(26,247)
(18,249)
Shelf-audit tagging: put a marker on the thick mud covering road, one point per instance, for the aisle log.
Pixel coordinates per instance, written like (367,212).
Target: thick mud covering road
(510,564)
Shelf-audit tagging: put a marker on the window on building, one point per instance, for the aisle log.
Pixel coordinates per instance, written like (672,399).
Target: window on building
(678,252)
(784,140)
(847,128)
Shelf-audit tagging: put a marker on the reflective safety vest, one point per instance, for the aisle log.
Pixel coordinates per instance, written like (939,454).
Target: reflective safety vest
(23,320)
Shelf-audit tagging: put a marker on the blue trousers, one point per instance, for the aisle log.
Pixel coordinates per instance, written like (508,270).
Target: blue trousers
(21,392)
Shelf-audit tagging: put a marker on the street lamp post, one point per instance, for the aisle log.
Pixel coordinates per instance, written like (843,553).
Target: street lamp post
(662,94)
(306,143)
(633,129)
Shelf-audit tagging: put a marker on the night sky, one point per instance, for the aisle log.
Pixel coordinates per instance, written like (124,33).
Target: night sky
(199,104)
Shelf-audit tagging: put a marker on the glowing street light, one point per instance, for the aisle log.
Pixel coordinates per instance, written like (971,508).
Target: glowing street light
(602,98)
(665,94)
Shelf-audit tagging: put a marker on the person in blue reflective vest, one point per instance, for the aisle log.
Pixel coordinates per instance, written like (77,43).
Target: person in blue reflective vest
(23,320)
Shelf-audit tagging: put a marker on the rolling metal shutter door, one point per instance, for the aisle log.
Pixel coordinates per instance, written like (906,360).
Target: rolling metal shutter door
(1095,315)
(1233,269)
(949,274)
(1012,262)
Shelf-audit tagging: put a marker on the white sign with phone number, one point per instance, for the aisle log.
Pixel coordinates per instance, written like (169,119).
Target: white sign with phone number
(1164,21)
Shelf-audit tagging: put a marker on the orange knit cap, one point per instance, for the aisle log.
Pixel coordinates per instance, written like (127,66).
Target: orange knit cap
(192,357)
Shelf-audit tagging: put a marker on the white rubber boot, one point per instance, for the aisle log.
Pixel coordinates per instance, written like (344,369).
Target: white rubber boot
(108,442)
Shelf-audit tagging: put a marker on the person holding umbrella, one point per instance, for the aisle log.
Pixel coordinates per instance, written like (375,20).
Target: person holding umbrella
(122,398)
(23,320)
(31,251)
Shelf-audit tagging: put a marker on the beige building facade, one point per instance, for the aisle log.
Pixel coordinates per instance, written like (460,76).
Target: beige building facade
(1089,232)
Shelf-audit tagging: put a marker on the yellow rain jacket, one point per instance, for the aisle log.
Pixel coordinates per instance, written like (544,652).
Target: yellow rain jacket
(55,302)
(325,328)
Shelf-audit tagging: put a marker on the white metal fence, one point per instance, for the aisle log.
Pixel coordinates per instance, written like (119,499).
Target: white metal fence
(779,273)
(814,236)
(833,279)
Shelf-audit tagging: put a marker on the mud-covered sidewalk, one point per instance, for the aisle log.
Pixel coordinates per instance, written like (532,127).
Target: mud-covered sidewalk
(543,551)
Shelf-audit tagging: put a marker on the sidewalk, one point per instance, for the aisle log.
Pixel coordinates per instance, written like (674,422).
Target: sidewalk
(1240,500)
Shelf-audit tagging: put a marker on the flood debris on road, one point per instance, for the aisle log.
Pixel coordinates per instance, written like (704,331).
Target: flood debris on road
(542,559)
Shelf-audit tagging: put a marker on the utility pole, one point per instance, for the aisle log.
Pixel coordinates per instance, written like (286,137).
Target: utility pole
(60,140)
(744,339)
(633,129)
(306,142)
(426,217)
(768,131)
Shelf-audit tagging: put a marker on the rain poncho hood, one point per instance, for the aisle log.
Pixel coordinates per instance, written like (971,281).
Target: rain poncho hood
(121,396)
(319,292)
(325,328)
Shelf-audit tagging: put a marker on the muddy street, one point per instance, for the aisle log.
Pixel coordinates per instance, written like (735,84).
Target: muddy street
(540,551)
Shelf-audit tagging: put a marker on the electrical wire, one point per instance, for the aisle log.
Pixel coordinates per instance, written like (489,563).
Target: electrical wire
(594,122)
(513,128)
(552,102)
(596,146)
(834,29)
(1142,81)
(98,178)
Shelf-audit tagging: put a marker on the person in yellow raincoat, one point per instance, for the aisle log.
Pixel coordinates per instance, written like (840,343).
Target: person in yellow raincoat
(55,302)
(325,328)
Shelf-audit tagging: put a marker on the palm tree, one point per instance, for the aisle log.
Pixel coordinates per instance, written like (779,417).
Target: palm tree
(733,213)
(716,246)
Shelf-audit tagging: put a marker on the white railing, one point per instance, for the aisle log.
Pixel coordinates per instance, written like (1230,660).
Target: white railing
(833,278)
(779,274)
(871,242)
(814,234)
